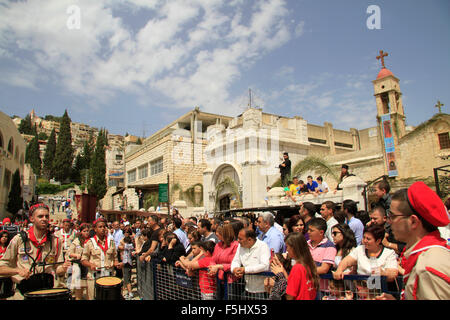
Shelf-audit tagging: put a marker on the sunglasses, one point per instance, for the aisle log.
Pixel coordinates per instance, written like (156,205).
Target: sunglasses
(335,233)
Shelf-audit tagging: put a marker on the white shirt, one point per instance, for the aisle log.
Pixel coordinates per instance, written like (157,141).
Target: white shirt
(330,224)
(255,260)
(323,186)
(386,260)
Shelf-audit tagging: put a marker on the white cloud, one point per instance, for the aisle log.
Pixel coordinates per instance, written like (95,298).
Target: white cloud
(189,52)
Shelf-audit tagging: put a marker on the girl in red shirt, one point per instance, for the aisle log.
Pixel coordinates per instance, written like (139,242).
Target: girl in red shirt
(303,281)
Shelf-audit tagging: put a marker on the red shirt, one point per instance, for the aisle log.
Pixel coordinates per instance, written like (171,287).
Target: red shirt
(299,284)
(224,256)
(206,283)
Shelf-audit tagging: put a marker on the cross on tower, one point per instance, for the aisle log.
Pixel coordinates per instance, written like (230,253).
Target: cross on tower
(381,56)
(439,105)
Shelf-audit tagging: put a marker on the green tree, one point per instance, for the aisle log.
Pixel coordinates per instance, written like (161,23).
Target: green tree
(25,125)
(62,164)
(15,200)
(33,157)
(97,171)
(49,155)
(76,169)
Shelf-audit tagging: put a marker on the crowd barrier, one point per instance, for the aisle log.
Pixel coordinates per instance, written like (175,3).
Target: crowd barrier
(160,281)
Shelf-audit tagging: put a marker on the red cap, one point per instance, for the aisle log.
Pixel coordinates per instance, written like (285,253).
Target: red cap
(428,204)
(6,220)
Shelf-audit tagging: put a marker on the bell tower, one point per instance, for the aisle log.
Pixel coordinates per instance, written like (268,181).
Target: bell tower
(389,98)
(390,114)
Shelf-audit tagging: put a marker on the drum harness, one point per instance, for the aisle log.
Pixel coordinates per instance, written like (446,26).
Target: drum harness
(24,237)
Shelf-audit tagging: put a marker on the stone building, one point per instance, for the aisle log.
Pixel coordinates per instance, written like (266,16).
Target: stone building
(12,157)
(392,148)
(173,153)
(242,157)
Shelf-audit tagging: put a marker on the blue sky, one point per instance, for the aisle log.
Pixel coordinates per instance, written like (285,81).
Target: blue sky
(136,65)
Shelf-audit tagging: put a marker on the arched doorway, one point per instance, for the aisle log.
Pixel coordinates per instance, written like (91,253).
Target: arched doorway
(224,203)
(226,186)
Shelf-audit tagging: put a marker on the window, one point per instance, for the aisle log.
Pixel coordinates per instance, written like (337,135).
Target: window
(7,179)
(444,140)
(341,144)
(119,157)
(156,166)
(131,176)
(11,145)
(143,171)
(321,141)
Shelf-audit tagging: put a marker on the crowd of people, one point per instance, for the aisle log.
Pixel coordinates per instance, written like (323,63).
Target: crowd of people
(333,241)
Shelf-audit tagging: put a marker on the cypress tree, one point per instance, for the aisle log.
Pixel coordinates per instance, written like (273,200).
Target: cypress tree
(62,164)
(25,126)
(49,155)
(97,170)
(32,156)
(15,200)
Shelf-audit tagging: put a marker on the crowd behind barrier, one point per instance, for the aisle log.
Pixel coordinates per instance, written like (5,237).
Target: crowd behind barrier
(161,281)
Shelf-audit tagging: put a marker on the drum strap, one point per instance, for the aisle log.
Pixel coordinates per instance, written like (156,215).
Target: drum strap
(24,237)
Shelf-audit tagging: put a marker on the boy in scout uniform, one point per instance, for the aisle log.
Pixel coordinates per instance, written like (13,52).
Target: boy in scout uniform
(99,255)
(415,215)
(21,259)
(66,236)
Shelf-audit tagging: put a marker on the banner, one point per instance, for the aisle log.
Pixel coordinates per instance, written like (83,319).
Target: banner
(163,192)
(389,147)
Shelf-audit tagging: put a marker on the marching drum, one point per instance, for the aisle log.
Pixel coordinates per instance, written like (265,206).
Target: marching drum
(108,288)
(37,281)
(49,294)
(6,287)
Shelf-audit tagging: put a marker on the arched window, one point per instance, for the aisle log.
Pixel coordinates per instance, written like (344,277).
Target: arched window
(11,146)
(1,140)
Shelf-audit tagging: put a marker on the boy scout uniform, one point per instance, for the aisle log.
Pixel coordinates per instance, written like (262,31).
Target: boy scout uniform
(93,254)
(15,256)
(66,241)
(75,248)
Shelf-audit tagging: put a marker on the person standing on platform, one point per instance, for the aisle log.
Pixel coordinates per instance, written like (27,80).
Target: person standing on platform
(285,170)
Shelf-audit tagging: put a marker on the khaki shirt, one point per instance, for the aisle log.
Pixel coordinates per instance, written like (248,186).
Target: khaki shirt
(429,286)
(75,248)
(15,256)
(94,255)
(65,241)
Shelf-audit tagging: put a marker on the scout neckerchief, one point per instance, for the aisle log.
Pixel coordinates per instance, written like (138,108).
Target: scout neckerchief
(431,240)
(38,244)
(103,250)
(105,247)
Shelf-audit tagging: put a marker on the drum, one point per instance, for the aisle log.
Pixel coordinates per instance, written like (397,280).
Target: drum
(37,281)
(108,288)
(6,287)
(49,294)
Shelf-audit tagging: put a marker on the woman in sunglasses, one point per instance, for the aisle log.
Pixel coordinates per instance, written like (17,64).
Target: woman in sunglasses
(344,241)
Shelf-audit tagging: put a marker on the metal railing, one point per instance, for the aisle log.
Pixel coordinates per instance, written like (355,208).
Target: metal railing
(160,281)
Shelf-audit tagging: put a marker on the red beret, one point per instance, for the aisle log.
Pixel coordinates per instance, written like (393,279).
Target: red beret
(428,204)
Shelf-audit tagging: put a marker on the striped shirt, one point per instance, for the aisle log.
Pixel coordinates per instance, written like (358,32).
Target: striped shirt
(324,252)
